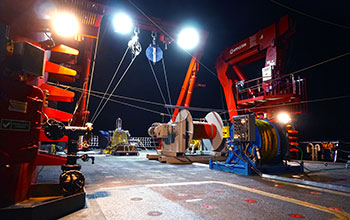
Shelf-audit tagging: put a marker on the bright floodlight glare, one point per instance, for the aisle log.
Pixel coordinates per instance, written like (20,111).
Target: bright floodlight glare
(122,23)
(65,25)
(188,38)
(283,118)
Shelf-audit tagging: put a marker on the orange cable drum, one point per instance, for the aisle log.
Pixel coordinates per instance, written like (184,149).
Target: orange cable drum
(203,130)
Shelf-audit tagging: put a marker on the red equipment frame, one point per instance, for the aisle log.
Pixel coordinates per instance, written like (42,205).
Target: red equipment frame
(260,94)
(24,99)
(22,155)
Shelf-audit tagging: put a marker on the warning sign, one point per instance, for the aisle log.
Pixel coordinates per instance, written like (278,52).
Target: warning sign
(8,124)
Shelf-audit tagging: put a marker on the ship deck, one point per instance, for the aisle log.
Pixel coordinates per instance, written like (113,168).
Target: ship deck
(133,187)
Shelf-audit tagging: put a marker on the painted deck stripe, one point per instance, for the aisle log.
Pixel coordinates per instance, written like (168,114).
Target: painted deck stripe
(193,200)
(339,214)
(311,187)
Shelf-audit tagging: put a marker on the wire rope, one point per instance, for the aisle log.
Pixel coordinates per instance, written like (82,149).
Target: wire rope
(99,39)
(78,103)
(294,103)
(166,81)
(131,105)
(298,71)
(115,87)
(345,151)
(92,71)
(168,35)
(99,93)
(113,100)
(160,90)
(110,83)
(304,102)
(310,16)
(199,108)
(222,103)
(344,142)
(301,70)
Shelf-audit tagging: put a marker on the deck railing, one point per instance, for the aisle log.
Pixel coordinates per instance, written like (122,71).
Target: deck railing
(280,85)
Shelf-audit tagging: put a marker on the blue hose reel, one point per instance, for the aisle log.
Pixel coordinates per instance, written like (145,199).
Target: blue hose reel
(256,146)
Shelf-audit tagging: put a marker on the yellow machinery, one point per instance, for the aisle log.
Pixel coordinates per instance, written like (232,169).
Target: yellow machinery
(120,145)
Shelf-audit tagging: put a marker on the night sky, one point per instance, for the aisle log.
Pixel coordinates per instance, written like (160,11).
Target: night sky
(229,22)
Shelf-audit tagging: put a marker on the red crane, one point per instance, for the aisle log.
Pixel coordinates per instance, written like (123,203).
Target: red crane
(267,93)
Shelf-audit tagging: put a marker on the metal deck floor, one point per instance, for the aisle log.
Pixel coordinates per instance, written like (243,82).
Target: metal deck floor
(138,188)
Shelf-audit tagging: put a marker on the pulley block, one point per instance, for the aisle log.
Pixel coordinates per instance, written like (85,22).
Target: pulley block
(154,53)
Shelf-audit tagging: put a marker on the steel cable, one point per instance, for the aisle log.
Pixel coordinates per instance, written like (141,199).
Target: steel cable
(160,90)
(294,103)
(115,87)
(131,105)
(166,81)
(110,83)
(308,15)
(295,72)
(168,35)
(99,39)
(99,93)
(92,72)
(198,108)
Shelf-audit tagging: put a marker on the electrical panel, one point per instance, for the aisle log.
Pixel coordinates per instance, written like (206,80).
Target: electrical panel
(243,128)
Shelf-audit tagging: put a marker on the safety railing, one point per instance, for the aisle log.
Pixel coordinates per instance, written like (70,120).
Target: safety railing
(280,85)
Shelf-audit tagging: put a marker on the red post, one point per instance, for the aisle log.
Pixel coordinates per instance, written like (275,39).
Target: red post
(81,115)
(191,86)
(221,68)
(188,85)
(239,73)
(185,85)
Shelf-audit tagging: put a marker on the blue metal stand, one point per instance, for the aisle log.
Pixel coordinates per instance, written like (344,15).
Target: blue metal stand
(245,168)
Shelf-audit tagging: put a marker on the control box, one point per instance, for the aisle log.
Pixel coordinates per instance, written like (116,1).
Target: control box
(243,128)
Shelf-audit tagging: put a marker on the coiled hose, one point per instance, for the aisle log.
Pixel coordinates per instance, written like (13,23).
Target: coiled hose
(269,140)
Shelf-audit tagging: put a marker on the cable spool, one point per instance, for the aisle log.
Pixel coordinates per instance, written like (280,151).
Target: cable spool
(203,130)
(177,136)
(212,130)
(267,140)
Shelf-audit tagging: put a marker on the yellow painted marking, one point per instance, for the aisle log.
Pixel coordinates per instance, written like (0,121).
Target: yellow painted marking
(339,214)
(312,187)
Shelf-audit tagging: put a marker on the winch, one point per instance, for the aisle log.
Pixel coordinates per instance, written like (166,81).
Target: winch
(256,146)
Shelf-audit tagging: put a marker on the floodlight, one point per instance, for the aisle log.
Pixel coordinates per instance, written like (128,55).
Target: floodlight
(65,24)
(188,38)
(122,23)
(283,118)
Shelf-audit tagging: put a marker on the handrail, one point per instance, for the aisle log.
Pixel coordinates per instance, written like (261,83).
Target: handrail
(276,86)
